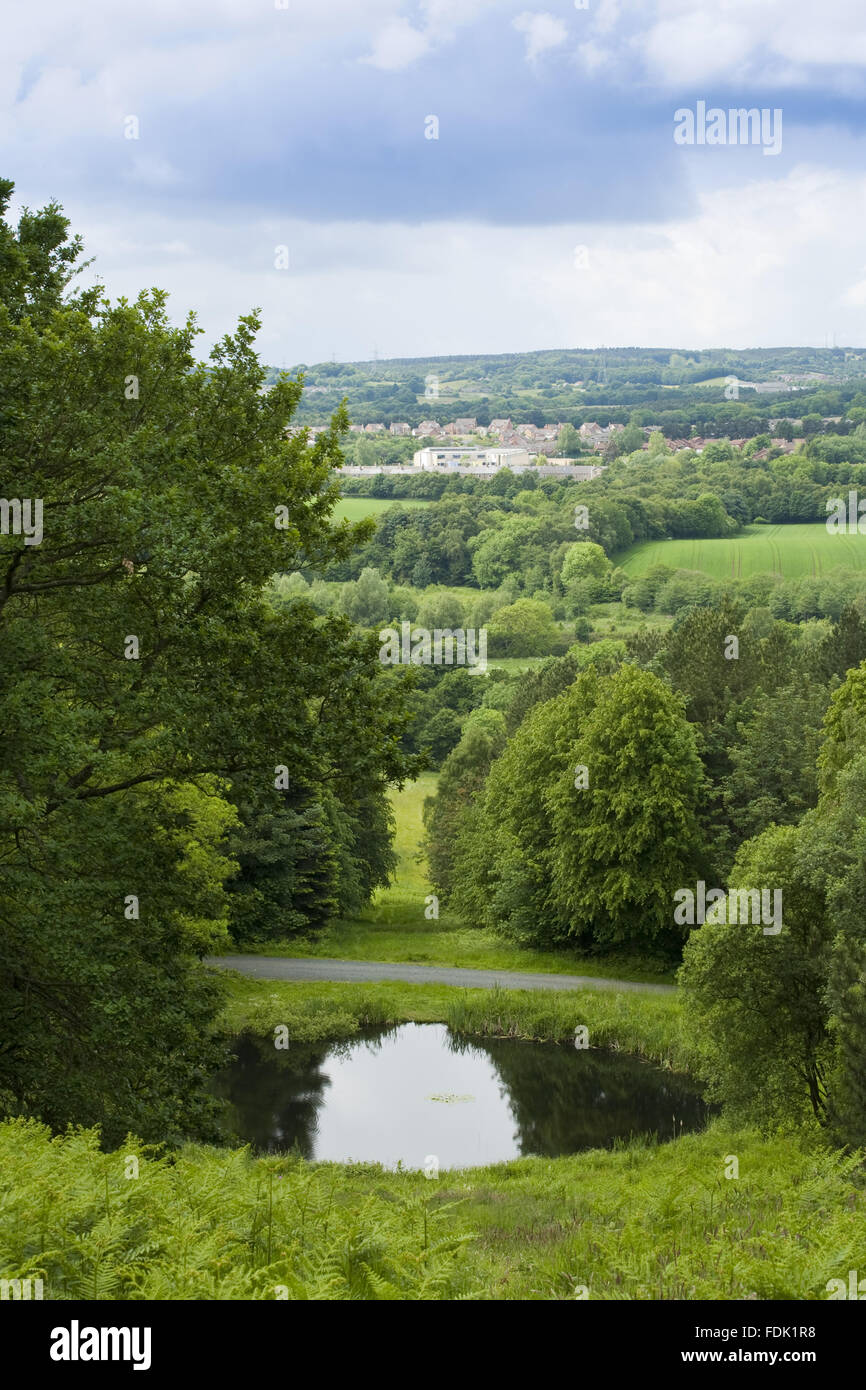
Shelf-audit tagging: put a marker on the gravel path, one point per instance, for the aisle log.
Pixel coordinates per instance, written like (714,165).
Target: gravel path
(358,971)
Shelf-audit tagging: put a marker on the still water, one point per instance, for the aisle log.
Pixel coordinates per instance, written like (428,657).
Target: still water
(404,1093)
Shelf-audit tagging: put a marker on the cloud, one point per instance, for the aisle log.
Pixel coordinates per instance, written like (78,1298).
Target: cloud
(322,107)
(543,31)
(399,43)
(855,296)
(152,172)
(688,42)
(593,56)
(396,46)
(750,267)
(605,15)
(305,127)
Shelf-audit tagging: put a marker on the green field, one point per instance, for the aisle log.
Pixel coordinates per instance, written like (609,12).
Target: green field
(356,508)
(792,551)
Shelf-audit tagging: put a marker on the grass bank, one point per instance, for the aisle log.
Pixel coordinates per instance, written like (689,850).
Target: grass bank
(648,1025)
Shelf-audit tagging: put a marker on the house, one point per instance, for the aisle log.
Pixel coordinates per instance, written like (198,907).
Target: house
(592,433)
(595,435)
(464,426)
(400,428)
(500,426)
(374,429)
(428,429)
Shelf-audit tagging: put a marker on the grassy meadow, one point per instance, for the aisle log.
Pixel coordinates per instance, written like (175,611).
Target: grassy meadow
(795,552)
(356,508)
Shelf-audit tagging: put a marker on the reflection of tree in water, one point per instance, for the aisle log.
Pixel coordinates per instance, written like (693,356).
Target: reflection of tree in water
(564,1099)
(275,1094)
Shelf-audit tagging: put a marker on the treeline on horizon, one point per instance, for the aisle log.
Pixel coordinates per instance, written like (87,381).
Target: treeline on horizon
(677,391)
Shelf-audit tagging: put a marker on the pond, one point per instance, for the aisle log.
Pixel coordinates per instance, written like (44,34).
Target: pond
(417,1091)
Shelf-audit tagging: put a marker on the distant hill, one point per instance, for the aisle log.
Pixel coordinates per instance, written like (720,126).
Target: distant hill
(674,389)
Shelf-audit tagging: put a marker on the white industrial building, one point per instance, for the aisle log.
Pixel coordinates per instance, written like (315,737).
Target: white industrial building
(436,458)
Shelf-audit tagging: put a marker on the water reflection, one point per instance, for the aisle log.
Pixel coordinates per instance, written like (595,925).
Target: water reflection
(401,1094)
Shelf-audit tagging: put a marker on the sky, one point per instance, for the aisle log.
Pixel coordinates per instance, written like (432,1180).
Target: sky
(401,178)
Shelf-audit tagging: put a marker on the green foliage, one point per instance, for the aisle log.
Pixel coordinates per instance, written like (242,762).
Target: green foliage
(773,777)
(366,602)
(287,869)
(605,656)
(536,685)
(442,610)
(216,1224)
(163,479)
(620,843)
(584,560)
(524,628)
(748,995)
(544,860)
(462,780)
(643,1024)
(500,552)
(795,998)
(569,443)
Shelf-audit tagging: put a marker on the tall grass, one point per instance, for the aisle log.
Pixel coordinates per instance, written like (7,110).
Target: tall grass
(316,1012)
(647,1025)
(671,1222)
(647,1221)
